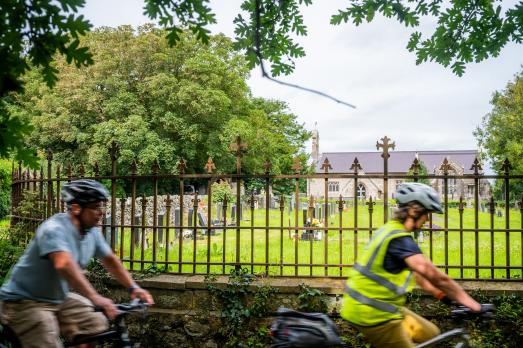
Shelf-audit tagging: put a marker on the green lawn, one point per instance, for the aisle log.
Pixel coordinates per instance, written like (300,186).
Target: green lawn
(4,225)
(282,249)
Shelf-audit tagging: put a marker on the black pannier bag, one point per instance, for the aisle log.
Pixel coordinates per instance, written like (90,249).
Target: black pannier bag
(304,330)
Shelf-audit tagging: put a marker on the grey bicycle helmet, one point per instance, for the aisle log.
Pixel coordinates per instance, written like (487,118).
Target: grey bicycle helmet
(84,191)
(421,193)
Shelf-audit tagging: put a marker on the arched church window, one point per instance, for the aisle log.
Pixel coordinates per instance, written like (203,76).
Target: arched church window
(362,191)
(334,186)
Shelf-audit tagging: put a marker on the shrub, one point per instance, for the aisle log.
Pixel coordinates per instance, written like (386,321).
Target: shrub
(5,188)
(220,190)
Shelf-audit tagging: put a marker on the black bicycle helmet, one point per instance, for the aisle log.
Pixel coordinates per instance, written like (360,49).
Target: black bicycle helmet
(421,193)
(84,191)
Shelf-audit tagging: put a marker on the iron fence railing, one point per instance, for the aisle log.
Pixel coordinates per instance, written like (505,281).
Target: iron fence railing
(281,235)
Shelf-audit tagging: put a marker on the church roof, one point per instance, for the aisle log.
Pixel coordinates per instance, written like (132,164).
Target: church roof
(399,161)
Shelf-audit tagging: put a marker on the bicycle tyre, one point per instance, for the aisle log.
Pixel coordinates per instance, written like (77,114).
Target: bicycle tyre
(8,338)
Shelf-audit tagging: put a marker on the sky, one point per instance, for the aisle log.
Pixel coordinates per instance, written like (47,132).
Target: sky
(421,107)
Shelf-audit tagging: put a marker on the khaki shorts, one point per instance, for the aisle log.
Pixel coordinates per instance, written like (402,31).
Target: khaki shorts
(401,333)
(40,324)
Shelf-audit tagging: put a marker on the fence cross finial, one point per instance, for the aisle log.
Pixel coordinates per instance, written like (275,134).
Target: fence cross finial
(371,204)
(340,203)
(445,166)
(69,171)
(416,166)
(49,155)
(492,205)
(209,167)
(96,168)
(114,151)
(476,166)
(296,165)
(326,165)
(506,166)
(461,204)
(385,145)
(252,200)
(267,166)
(311,202)
(168,201)
(195,201)
(182,165)
(134,167)
(356,165)
(238,148)
(281,202)
(155,167)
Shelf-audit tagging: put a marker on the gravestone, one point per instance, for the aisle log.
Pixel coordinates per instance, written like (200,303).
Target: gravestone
(136,229)
(233,213)
(202,221)
(219,212)
(159,230)
(190,221)
(177,220)
(304,217)
(274,202)
(107,230)
(190,218)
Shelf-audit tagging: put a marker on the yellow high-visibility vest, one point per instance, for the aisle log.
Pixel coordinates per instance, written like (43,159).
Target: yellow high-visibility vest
(372,294)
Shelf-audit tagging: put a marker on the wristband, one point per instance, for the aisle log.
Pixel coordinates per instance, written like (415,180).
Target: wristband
(131,289)
(440,295)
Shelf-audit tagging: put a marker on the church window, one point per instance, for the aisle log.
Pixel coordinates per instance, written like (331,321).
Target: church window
(334,186)
(362,191)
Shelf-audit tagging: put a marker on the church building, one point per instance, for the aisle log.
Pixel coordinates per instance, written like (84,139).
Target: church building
(460,162)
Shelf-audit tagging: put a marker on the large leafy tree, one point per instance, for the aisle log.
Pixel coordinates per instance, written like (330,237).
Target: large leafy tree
(501,132)
(158,103)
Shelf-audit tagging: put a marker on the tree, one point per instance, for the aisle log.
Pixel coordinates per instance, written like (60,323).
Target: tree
(158,103)
(31,34)
(5,188)
(501,131)
(421,172)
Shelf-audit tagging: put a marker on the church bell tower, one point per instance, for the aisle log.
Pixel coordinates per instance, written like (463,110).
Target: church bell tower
(315,153)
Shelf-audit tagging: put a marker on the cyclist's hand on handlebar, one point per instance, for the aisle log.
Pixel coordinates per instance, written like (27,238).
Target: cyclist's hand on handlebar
(106,305)
(142,294)
(486,311)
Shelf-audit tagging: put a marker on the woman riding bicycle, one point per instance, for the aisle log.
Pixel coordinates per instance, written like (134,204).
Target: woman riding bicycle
(377,285)
(37,303)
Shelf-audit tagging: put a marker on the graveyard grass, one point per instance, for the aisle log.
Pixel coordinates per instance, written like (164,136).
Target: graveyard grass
(282,245)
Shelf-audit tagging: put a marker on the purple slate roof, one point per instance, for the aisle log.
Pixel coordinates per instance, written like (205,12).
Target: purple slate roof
(399,161)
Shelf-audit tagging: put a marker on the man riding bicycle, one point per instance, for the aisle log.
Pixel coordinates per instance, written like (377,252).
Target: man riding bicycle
(36,300)
(377,285)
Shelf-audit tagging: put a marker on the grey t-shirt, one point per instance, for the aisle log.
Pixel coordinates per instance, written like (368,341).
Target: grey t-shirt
(34,276)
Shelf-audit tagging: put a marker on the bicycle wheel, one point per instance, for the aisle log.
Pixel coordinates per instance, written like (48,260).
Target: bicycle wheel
(8,338)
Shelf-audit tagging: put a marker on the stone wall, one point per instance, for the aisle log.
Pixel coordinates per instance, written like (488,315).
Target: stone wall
(185,316)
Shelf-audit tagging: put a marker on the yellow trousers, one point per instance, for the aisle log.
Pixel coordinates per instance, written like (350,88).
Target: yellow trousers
(401,333)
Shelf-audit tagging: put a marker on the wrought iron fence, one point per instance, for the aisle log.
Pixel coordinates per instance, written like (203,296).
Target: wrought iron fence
(282,235)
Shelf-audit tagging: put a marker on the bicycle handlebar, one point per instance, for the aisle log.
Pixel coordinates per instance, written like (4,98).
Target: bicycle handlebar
(135,305)
(487,311)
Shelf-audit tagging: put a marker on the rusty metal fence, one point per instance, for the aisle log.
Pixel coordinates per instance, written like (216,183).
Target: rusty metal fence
(280,235)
